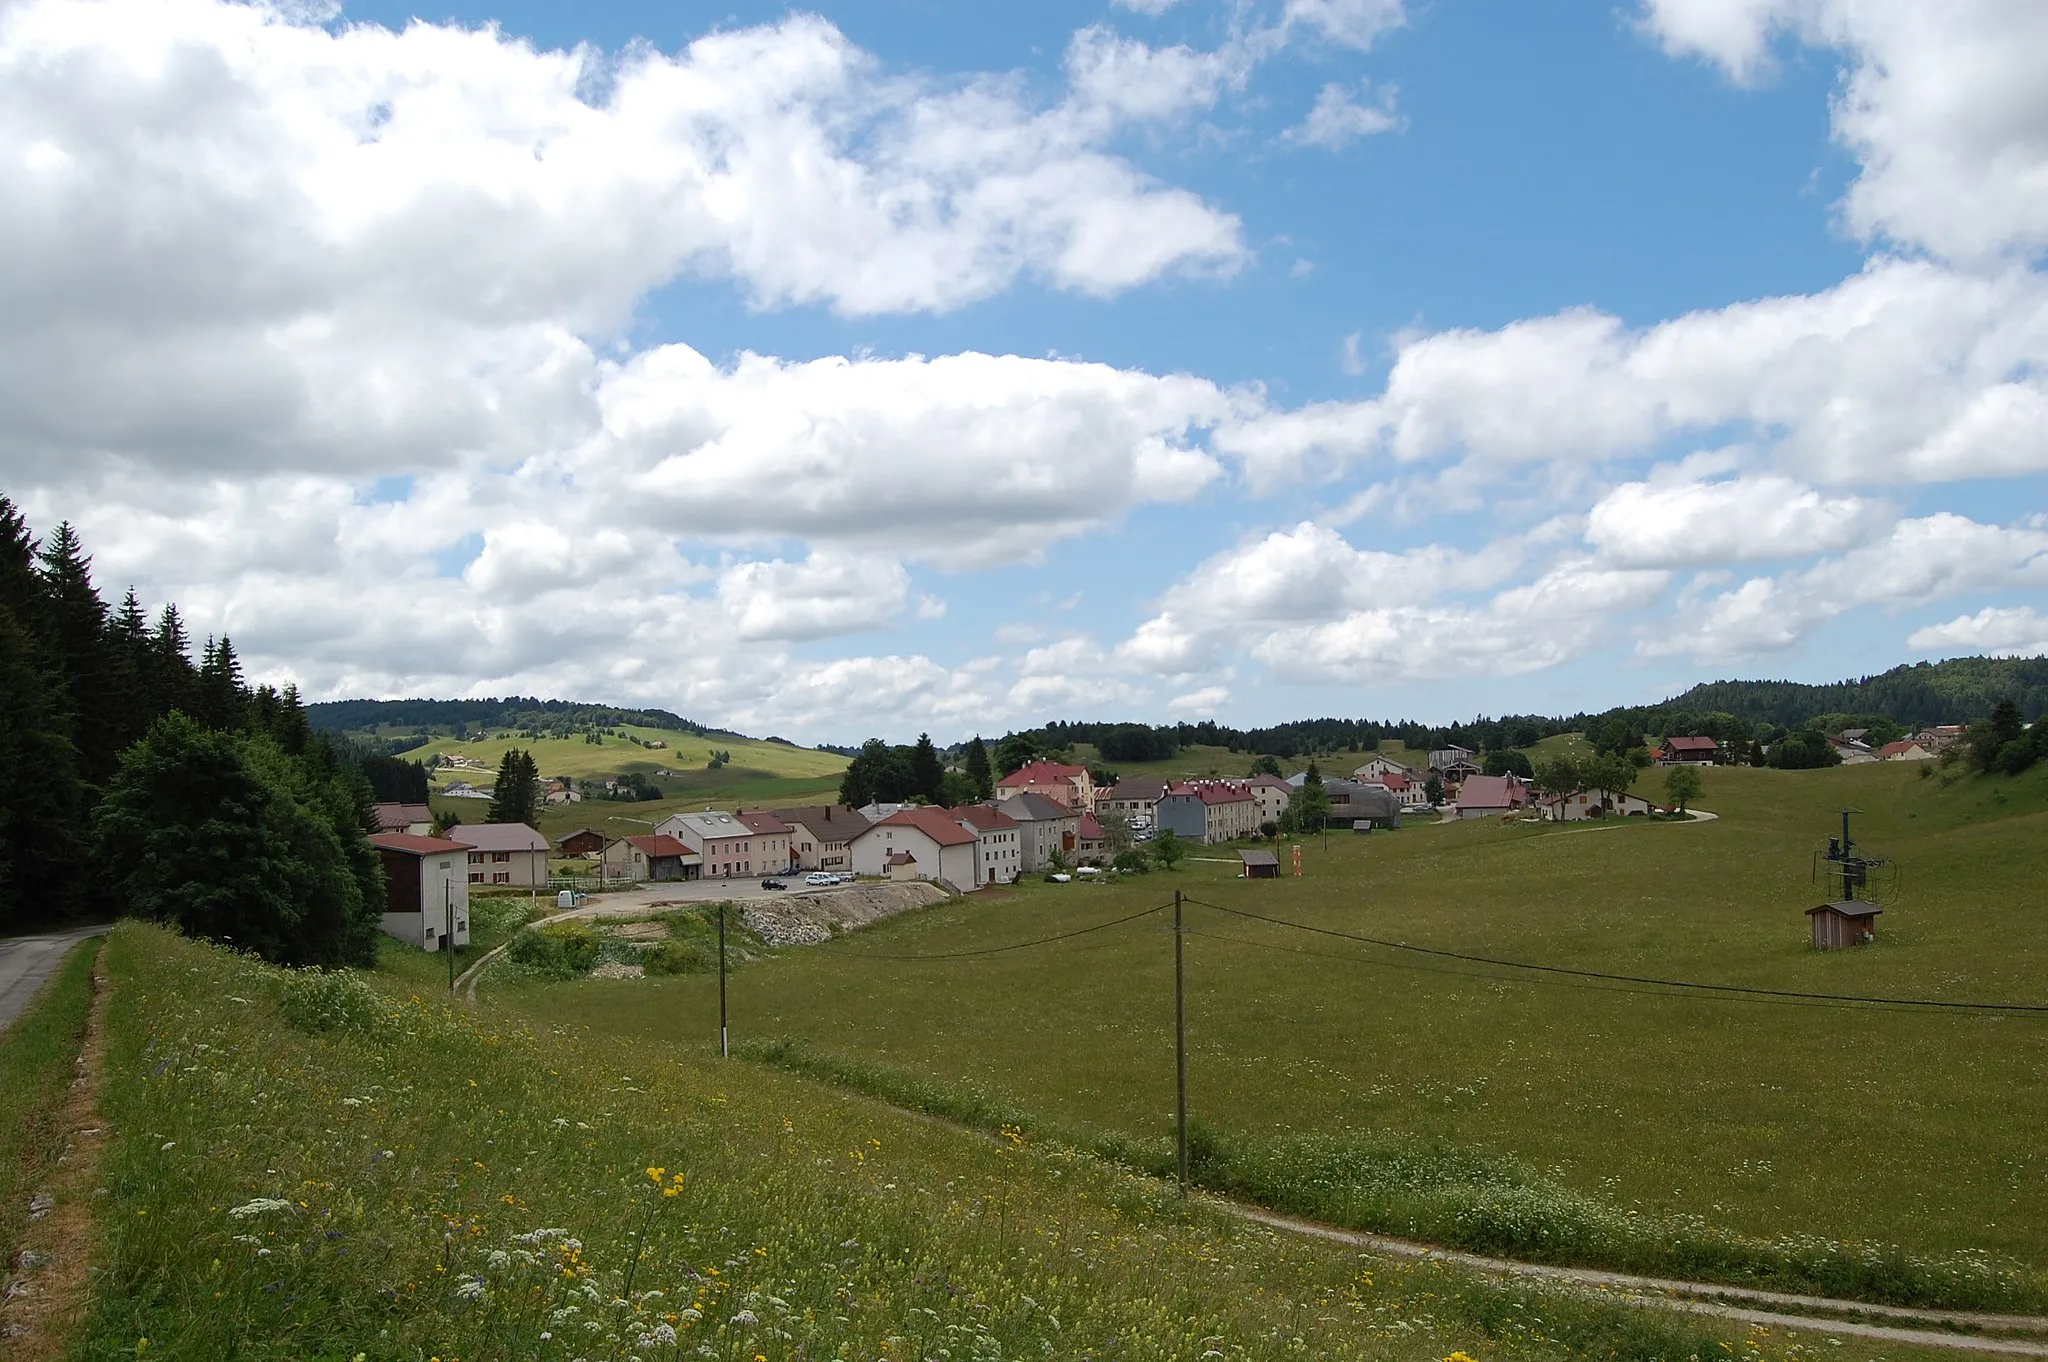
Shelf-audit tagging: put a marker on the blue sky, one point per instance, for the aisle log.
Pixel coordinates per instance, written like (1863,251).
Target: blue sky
(885,367)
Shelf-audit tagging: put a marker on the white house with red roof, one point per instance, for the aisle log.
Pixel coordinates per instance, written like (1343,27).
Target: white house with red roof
(653,857)
(1906,749)
(426,889)
(1491,796)
(1408,790)
(773,845)
(1063,784)
(999,849)
(918,843)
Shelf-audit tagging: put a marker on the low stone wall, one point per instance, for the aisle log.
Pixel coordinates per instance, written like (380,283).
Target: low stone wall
(806,919)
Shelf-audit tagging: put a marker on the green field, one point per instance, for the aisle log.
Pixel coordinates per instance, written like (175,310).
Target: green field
(307,1167)
(760,773)
(1877,1126)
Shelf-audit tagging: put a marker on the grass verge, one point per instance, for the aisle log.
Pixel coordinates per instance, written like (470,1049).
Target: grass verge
(309,1167)
(1435,1192)
(36,1057)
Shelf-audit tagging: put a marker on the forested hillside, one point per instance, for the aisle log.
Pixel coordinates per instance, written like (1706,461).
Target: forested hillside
(552,718)
(1957,691)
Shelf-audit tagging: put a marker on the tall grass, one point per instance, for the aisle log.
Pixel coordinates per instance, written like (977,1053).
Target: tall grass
(310,1167)
(1433,1191)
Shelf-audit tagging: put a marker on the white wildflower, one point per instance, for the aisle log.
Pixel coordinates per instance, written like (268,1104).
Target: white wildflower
(746,1319)
(498,1260)
(664,1335)
(470,1289)
(262,1205)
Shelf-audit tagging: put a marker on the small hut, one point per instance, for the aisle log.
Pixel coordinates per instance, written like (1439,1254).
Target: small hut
(1260,865)
(1840,925)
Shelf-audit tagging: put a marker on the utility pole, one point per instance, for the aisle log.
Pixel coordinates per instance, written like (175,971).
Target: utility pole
(1180,1050)
(448,928)
(724,1048)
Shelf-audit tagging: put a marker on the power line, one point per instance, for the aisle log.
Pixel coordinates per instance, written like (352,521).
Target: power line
(998,950)
(1587,987)
(1685,984)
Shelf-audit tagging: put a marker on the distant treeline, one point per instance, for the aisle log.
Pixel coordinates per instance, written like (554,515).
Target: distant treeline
(523,713)
(1958,691)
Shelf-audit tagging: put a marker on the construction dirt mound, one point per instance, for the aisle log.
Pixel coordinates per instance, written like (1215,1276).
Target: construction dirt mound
(806,919)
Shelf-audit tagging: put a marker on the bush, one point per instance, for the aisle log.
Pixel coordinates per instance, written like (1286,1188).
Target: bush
(679,957)
(566,951)
(1131,861)
(317,1001)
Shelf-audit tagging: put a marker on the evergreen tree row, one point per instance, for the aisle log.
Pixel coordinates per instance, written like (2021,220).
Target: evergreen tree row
(142,781)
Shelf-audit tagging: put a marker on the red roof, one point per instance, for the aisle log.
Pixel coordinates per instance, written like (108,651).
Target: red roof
(1043,773)
(760,820)
(1213,792)
(935,823)
(1091,831)
(986,817)
(1904,744)
(396,817)
(417,846)
(1490,792)
(1392,780)
(659,844)
(902,858)
(1691,744)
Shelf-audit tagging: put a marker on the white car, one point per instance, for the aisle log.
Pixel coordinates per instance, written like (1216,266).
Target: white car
(821,877)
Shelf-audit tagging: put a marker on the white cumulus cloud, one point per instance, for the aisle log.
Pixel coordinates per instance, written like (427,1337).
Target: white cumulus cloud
(1999,631)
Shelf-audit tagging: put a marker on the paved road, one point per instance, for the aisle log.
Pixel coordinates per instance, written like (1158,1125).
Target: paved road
(26,961)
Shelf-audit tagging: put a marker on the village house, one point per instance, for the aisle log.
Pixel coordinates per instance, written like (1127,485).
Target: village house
(721,839)
(1688,751)
(1380,767)
(1491,796)
(1043,827)
(585,842)
(1272,795)
(1410,794)
(1939,738)
(416,819)
(819,833)
(1209,811)
(504,853)
(1068,785)
(918,844)
(1132,800)
(1579,804)
(998,853)
(1906,749)
(1447,759)
(426,889)
(655,857)
(770,848)
(1091,842)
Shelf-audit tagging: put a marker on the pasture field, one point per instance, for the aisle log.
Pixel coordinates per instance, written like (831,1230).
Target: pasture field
(686,754)
(1914,1128)
(306,1166)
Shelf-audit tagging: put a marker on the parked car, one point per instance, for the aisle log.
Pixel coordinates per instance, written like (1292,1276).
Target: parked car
(773,884)
(821,877)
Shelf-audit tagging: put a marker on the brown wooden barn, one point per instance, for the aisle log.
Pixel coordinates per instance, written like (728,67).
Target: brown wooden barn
(1840,925)
(582,842)
(1260,865)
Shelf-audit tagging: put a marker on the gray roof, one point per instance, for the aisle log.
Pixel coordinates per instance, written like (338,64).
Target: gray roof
(497,837)
(1258,858)
(1855,908)
(1035,808)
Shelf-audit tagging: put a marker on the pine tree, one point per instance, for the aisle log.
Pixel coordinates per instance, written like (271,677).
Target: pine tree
(171,680)
(515,798)
(927,772)
(40,801)
(78,629)
(978,770)
(222,700)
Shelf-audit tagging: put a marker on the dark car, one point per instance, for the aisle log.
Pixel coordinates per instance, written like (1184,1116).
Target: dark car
(773,884)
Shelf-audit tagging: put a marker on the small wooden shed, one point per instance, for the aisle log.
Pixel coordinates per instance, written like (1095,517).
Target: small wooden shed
(1840,925)
(1260,865)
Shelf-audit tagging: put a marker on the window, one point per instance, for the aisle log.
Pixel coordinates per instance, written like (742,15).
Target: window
(501,858)
(501,877)
(476,877)
(476,858)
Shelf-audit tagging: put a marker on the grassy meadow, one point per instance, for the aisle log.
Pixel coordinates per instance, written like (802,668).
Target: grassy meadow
(1906,1133)
(310,1166)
